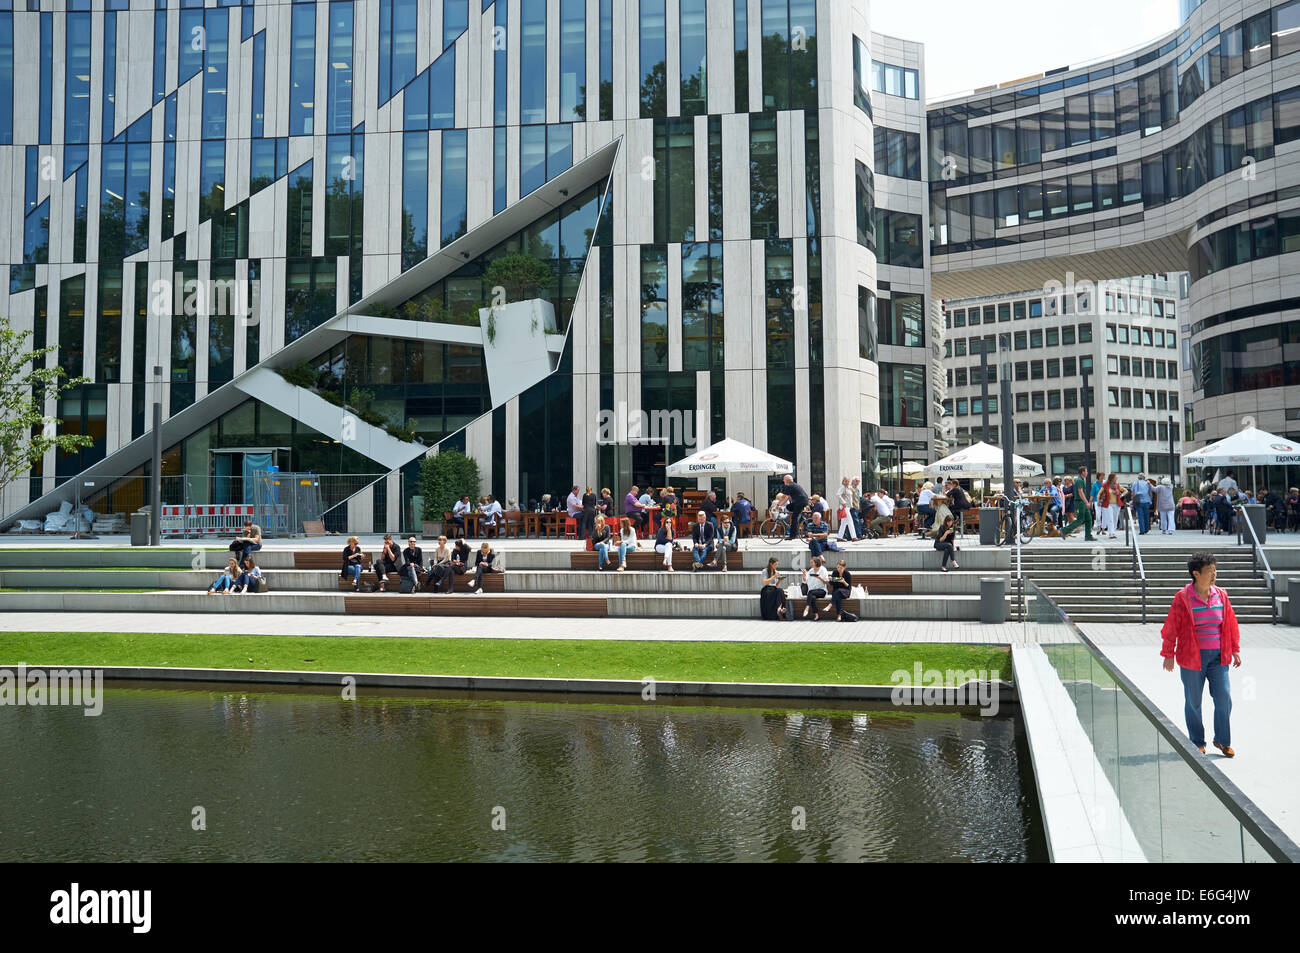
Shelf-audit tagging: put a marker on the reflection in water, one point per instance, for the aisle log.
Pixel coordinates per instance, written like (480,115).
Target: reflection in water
(298,774)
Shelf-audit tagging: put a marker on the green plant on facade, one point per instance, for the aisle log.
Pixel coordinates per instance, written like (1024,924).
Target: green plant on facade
(519,275)
(301,374)
(446,477)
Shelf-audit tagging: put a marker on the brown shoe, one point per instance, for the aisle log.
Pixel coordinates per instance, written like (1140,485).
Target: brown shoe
(1201,749)
(1227,752)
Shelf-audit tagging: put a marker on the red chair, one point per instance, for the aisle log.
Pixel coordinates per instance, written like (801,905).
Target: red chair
(570,527)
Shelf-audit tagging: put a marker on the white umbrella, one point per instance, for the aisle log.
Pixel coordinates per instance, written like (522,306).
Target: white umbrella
(1249,447)
(980,460)
(727,457)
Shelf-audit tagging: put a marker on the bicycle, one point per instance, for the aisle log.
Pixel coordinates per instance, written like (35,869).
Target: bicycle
(776,528)
(1013,514)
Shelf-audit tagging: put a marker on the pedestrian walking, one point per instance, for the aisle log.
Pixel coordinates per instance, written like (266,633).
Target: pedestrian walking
(1202,636)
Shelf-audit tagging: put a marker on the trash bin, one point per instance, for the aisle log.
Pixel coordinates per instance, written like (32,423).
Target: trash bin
(1293,600)
(140,529)
(990,518)
(1257,513)
(993,597)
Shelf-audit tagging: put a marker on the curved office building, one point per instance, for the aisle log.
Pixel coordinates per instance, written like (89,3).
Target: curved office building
(297,229)
(1180,157)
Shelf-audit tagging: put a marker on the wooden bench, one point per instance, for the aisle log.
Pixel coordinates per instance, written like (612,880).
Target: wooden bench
(492,582)
(468,605)
(324,559)
(650,561)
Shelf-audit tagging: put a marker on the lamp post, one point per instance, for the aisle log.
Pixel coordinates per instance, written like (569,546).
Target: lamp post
(1173,461)
(155,475)
(1087,426)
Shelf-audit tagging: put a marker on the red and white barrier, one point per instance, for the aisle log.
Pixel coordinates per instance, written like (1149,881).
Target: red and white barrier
(204,519)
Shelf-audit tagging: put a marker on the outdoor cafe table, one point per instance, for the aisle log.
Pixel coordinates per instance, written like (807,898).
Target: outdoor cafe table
(1041,527)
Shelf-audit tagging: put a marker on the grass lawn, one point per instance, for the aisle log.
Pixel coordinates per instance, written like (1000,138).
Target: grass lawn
(803,663)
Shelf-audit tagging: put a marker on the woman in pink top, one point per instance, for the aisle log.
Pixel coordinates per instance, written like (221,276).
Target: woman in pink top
(1202,636)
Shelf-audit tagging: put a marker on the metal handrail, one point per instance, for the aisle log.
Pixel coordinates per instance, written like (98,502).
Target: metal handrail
(1139,570)
(1266,833)
(1257,555)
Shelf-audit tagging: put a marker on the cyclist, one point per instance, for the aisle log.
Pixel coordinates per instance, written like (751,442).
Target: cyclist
(795,499)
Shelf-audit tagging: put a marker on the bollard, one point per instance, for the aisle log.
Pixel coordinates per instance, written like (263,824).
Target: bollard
(990,525)
(1293,600)
(993,599)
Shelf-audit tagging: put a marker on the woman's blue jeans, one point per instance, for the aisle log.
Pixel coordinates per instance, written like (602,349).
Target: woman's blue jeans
(1212,670)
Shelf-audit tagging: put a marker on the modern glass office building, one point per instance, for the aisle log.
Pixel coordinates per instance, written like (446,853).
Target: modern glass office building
(279,222)
(697,175)
(1183,156)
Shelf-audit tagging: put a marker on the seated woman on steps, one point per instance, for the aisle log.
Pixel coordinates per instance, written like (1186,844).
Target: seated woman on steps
(601,540)
(250,578)
(352,562)
(816,580)
(484,561)
(626,542)
(226,581)
(664,543)
(772,602)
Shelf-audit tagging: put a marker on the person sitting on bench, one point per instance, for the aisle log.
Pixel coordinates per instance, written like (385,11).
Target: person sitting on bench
(390,558)
(251,577)
(626,542)
(841,586)
(248,543)
(460,560)
(704,539)
(485,561)
(726,540)
(413,563)
(439,566)
(601,539)
(493,516)
(819,531)
(771,595)
(462,509)
(815,581)
(352,562)
(664,543)
(226,581)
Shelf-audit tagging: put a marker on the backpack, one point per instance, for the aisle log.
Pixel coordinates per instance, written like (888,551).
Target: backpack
(847,616)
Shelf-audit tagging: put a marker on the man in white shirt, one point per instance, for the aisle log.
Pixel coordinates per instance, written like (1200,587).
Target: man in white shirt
(925,507)
(884,511)
(1228,484)
(574,503)
(459,512)
(491,511)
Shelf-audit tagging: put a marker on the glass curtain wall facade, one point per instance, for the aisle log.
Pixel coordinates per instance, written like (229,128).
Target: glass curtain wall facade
(239,168)
(1193,134)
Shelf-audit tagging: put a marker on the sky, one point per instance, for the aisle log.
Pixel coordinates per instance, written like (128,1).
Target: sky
(970,43)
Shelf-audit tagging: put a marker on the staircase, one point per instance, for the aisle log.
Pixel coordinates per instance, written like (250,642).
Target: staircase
(1110,593)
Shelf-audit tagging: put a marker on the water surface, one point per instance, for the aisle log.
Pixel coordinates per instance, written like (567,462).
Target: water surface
(293,773)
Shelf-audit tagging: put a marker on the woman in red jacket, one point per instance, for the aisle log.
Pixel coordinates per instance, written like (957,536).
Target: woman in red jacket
(1201,633)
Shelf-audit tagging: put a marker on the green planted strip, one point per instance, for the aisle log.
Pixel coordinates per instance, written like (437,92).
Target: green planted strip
(798,663)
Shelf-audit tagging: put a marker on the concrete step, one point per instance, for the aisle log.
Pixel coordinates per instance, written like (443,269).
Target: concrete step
(693,608)
(609,582)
